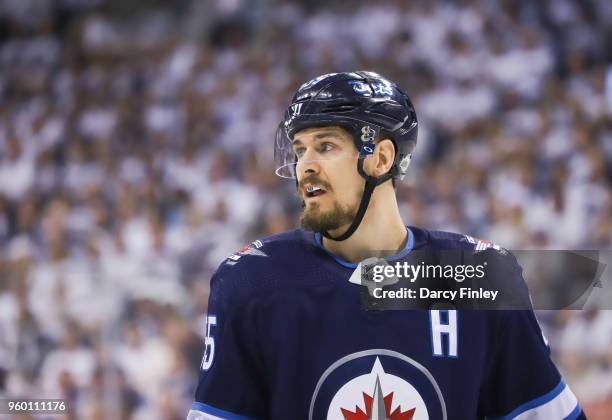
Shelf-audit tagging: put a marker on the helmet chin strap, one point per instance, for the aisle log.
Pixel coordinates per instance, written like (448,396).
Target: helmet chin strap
(371,183)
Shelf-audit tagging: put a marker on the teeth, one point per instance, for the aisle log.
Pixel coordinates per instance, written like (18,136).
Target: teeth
(312,188)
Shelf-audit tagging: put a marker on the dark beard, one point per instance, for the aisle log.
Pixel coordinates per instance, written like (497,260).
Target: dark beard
(313,219)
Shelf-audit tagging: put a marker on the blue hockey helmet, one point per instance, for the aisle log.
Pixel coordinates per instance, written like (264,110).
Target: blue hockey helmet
(366,104)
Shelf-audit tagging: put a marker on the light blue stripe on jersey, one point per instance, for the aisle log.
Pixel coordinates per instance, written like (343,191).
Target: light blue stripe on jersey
(540,407)
(217,412)
(347,264)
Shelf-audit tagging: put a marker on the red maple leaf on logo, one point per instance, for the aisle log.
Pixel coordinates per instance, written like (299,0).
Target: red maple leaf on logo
(358,414)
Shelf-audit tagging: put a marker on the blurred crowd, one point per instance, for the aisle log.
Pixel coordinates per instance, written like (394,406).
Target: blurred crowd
(136,154)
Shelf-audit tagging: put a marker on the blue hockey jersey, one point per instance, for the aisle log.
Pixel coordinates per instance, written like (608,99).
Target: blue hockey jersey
(286,338)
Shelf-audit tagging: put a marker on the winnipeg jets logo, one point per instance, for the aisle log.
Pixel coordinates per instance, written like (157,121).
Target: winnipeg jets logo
(377,384)
(379,405)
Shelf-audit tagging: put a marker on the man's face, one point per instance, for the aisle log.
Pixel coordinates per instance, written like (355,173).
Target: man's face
(328,180)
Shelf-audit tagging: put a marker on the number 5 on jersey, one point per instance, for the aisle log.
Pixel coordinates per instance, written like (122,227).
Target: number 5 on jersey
(209,343)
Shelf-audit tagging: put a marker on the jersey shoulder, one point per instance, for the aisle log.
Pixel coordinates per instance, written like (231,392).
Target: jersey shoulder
(503,271)
(270,250)
(265,262)
(442,240)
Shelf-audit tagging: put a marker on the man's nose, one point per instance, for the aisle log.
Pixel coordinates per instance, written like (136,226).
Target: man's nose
(308,164)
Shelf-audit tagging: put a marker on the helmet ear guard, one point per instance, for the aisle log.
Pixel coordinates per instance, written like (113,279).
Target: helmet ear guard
(401,162)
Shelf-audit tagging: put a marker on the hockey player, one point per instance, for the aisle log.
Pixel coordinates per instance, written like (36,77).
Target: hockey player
(286,334)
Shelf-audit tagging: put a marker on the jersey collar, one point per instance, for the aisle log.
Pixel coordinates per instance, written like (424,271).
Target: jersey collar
(401,254)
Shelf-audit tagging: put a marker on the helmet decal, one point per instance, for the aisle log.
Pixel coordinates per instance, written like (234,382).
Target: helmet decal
(361,88)
(367,134)
(382,89)
(296,108)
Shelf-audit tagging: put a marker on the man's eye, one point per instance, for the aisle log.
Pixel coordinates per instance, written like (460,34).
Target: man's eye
(326,147)
(299,152)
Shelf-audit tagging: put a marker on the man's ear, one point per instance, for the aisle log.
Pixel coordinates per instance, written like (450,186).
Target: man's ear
(384,155)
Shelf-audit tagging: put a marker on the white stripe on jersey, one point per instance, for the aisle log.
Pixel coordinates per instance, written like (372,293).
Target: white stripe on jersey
(200,415)
(558,408)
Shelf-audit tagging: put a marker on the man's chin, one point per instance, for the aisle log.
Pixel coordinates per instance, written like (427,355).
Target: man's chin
(325,221)
(313,220)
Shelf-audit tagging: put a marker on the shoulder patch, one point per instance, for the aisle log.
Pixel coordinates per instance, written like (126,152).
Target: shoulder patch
(481,244)
(252,249)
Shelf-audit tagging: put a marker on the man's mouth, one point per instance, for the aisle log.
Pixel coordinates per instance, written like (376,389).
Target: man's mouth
(312,190)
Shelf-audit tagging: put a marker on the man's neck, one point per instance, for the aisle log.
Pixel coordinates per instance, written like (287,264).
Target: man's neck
(381,232)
